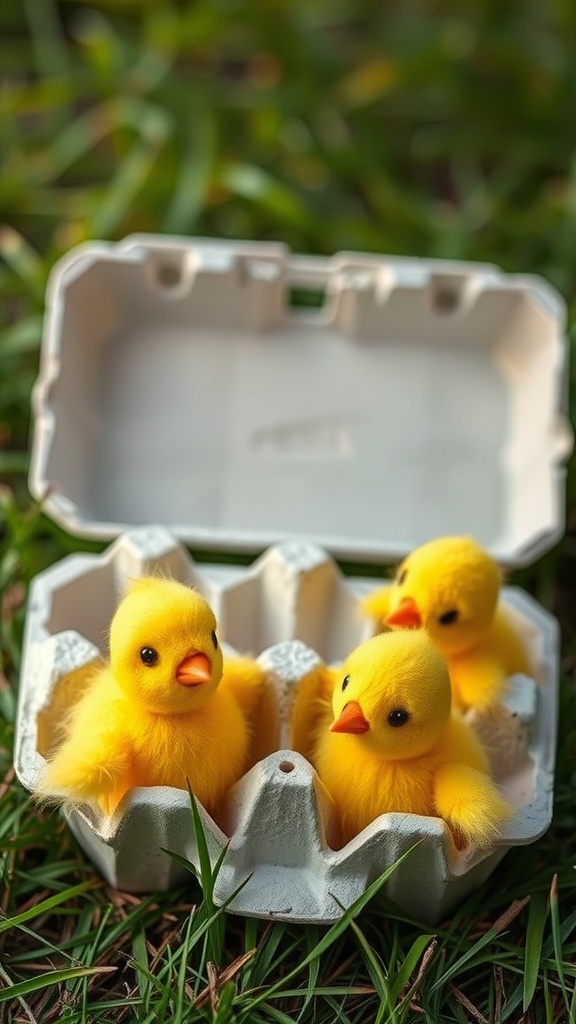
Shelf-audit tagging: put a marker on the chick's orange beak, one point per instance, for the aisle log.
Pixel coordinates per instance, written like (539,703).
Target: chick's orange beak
(194,669)
(406,614)
(351,719)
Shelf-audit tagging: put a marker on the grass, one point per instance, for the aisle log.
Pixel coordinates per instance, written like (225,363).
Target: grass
(329,124)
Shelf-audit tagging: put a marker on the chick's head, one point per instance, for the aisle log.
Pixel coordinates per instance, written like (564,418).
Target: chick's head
(450,586)
(394,692)
(164,649)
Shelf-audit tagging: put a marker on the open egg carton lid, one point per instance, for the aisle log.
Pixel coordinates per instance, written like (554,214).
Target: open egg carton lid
(181,386)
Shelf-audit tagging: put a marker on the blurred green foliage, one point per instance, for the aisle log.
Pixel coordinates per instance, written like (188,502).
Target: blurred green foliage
(401,128)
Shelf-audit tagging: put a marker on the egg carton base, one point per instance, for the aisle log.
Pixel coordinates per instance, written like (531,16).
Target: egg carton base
(279,816)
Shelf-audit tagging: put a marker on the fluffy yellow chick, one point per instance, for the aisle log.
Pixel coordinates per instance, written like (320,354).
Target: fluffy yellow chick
(451,587)
(157,716)
(395,746)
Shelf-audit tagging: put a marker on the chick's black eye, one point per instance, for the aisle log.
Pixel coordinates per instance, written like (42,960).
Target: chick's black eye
(345,682)
(214,639)
(148,655)
(448,617)
(398,717)
(401,578)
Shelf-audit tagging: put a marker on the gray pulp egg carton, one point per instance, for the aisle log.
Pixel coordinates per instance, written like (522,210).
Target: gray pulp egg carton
(184,397)
(278,820)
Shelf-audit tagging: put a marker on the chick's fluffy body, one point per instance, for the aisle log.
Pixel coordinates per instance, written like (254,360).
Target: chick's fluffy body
(431,765)
(481,644)
(113,745)
(364,785)
(136,725)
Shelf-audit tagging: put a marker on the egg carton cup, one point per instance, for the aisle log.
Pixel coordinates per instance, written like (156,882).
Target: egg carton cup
(293,608)
(179,385)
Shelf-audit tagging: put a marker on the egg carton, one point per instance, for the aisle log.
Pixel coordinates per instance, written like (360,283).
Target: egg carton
(292,607)
(180,386)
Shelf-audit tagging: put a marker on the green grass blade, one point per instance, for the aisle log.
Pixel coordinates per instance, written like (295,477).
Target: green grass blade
(24,988)
(182,861)
(572,1011)
(567,927)
(50,44)
(513,1002)
(551,1017)
(259,187)
(408,966)
(120,195)
(262,965)
(182,973)
(195,172)
(325,990)
(23,260)
(557,939)
(13,462)
(140,961)
(378,977)
(219,861)
(206,876)
(273,1013)
(21,337)
(533,949)
(226,998)
(313,967)
(46,905)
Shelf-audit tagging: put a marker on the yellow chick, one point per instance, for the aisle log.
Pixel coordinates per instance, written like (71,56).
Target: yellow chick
(395,746)
(451,587)
(157,716)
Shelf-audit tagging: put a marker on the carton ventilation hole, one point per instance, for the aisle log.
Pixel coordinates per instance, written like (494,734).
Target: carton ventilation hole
(168,275)
(286,767)
(444,298)
(306,299)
